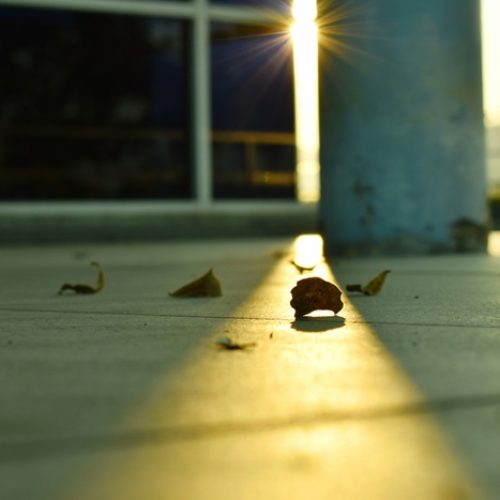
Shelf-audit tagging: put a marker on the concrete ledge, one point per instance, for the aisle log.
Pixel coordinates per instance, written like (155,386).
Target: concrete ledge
(121,222)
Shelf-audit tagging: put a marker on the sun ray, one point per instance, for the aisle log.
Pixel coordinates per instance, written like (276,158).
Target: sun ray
(266,51)
(343,30)
(346,30)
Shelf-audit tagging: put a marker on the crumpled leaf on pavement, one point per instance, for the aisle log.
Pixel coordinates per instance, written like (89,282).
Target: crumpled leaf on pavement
(228,344)
(372,287)
(314,294)
(86,289)
(301,268)
(206,286)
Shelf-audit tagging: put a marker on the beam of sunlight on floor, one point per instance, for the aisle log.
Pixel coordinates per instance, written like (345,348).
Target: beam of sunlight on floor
(494,244)
(304,414)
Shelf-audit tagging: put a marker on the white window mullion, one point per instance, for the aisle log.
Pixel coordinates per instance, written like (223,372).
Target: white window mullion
(201,114)
(170,8)
(200,13)
(144,7)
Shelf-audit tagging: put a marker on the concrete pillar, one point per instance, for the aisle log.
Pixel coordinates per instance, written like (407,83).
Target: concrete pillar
(402,136)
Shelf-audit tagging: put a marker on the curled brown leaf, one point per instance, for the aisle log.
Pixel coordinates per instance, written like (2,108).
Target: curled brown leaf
(313,294)
(372,287)
(205,286)
(228,344)
(86,289)
(301,267)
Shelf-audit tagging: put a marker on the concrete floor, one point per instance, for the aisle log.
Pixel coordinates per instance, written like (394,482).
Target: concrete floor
(124,394)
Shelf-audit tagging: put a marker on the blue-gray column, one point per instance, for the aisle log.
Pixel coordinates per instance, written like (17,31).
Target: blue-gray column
(402,136)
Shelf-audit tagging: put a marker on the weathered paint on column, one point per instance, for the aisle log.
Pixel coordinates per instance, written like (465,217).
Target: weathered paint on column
(402,136)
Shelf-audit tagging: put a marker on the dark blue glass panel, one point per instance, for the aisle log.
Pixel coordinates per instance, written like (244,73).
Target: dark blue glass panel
(93,106)
(253,119)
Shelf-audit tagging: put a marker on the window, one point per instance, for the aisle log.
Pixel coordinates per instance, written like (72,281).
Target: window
(252,110)
(147,101)
(94,106)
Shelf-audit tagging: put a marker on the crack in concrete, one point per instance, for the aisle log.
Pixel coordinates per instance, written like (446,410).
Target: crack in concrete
(245,318)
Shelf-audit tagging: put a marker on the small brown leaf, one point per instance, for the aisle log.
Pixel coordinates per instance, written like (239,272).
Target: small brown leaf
(86,289)
(230,345)
(301,268)
(312,294)
(206,286)
(372,287)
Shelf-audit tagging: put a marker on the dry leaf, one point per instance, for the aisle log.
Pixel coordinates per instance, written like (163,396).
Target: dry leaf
(206,286)
(312,294)
(375,285)
(372,287)
(230,345)
(301,268)
(86,289)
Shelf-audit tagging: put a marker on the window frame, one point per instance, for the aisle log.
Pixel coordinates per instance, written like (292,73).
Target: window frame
(201,13)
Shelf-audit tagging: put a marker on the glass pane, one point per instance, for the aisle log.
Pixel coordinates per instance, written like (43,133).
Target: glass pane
(93,106)
(252,100)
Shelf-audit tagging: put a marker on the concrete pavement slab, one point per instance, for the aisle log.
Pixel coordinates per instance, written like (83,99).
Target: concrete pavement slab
(125,394)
